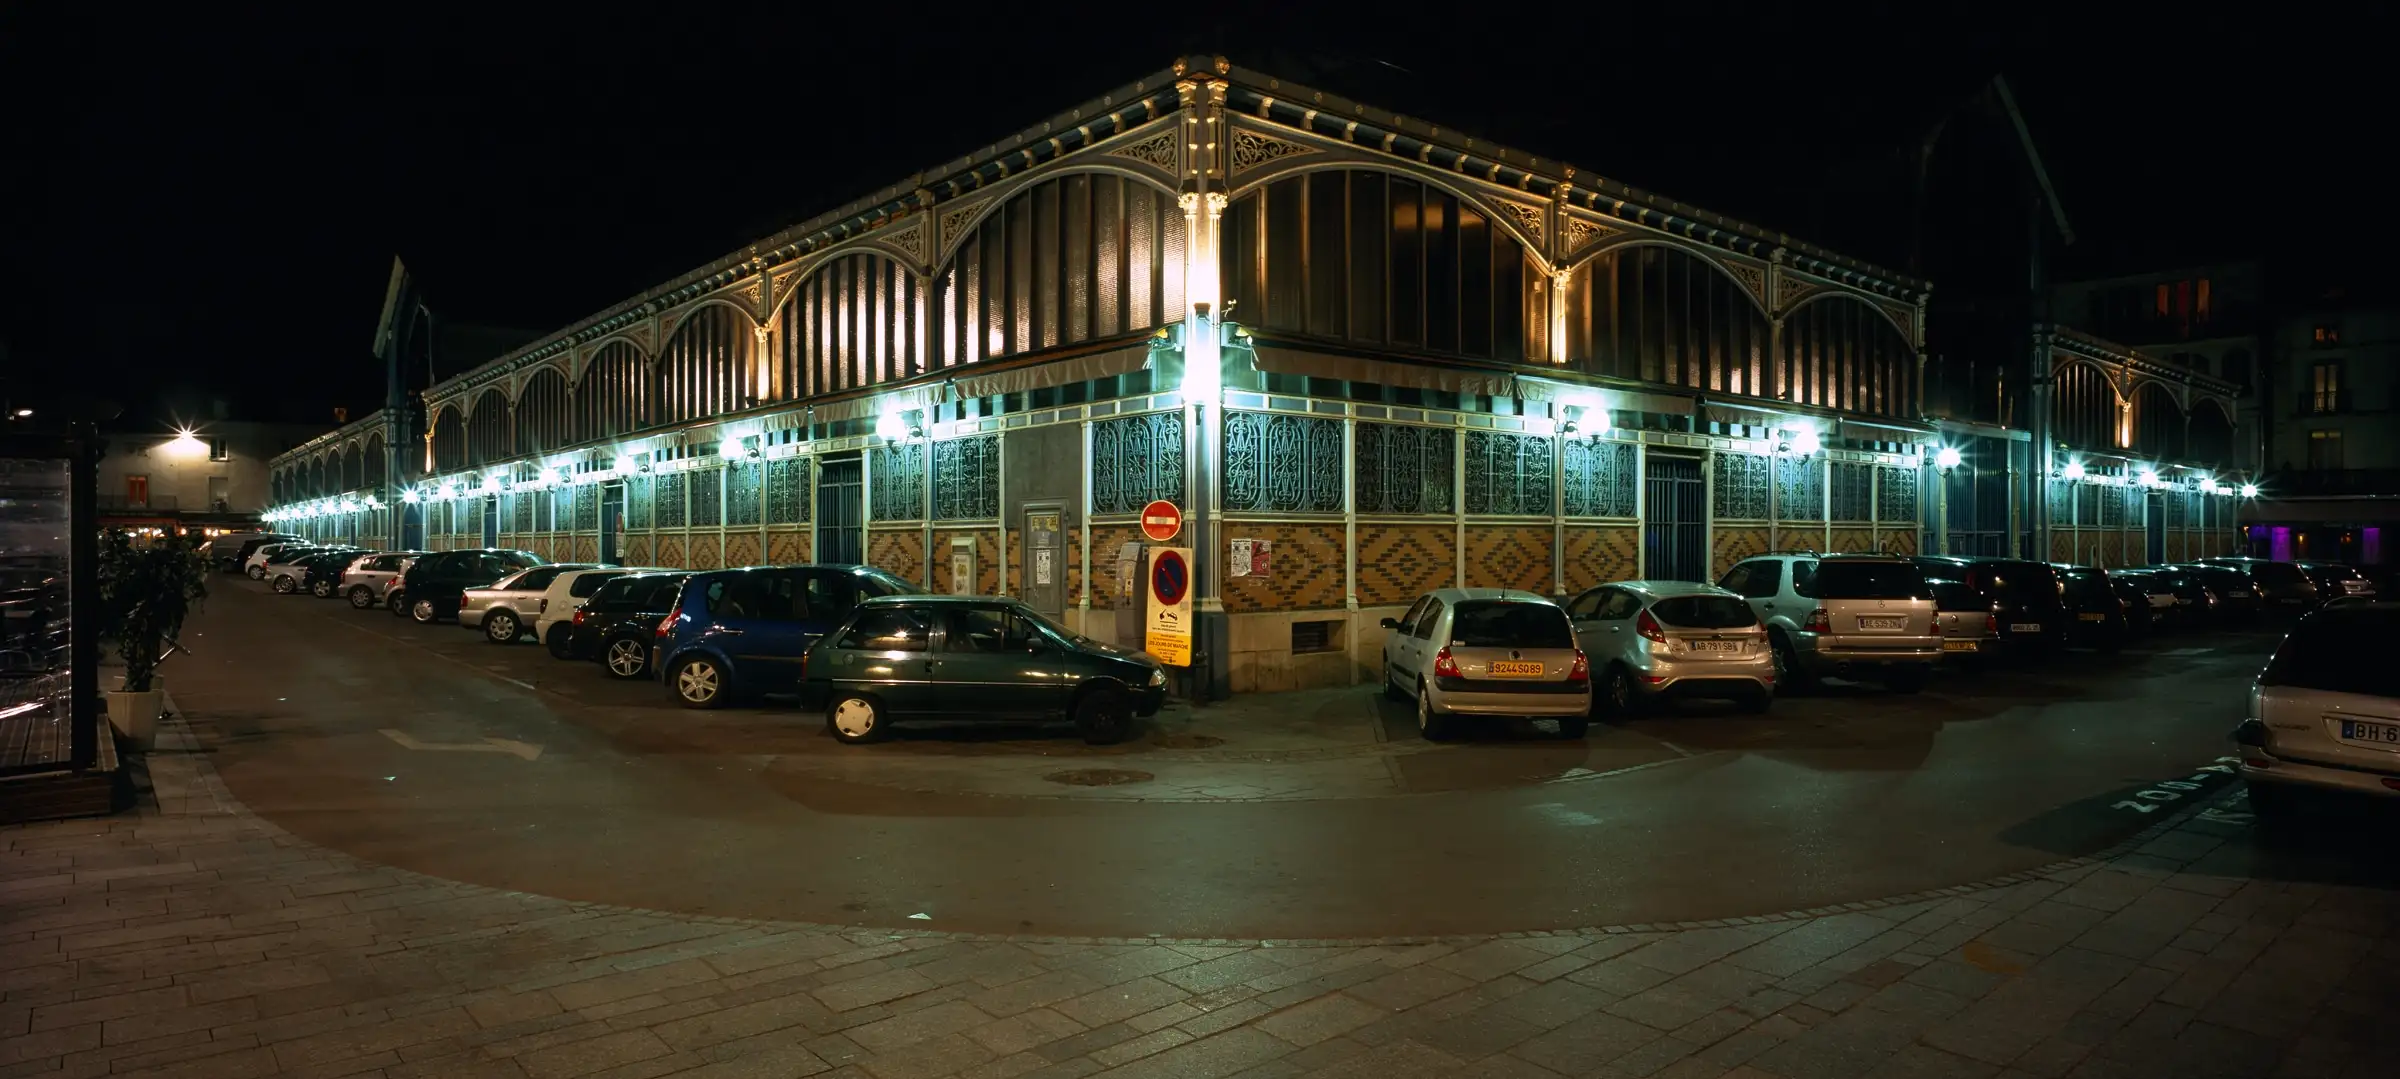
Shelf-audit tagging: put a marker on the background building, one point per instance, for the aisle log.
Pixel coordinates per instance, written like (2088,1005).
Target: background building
(2333,483)
(211,475)
(2207,320)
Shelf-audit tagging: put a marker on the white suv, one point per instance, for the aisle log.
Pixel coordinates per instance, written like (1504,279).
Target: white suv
(1842,614)
(2325,714)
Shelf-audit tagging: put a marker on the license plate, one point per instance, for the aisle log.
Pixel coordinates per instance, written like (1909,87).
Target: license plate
(1516,668)
(2384,735)
(2092,616)
(1958,646)
(1882,623)
(2024,627)
(1715,646)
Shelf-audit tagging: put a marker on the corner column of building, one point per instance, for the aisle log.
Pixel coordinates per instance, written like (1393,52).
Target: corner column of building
(1203,205)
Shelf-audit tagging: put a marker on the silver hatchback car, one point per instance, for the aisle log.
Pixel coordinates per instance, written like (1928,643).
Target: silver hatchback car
(505,609)
(1650,640)
(2325,714)
(1486,652)
(1842,614)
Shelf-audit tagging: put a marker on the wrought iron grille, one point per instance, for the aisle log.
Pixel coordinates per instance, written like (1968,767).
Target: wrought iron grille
(1741,487)
(562,510)
(708,500)
(587,508)
(741,494)
(1404,469)
(1853,491)
(1136,459)
(787,490)
(899,476)
(1600,478)
(1508,474)
(1283,463)
(637,502)
(470,522)
(2062,501)
(522,512)
(2112,506)
(1895,493)
(1799,489)
(966,478)
(670,499)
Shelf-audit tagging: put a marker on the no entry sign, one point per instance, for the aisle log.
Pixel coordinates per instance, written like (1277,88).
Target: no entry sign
(1161,521)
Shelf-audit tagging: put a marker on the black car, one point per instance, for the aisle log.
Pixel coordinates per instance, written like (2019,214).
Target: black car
(2092,601)
(2195,602)
(437,583)
(321,573)
(2133,593)
(231,556)
(2282,586)
(2238,597)
(2026,596)
(2335,580)
(619,623)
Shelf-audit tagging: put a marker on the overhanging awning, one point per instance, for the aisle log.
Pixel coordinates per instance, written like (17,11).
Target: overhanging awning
(978,381)
(1284,360)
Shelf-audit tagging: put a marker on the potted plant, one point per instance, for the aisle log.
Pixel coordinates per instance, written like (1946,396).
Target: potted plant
(145,592)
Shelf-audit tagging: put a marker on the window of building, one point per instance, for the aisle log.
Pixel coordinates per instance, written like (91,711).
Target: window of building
(137,490)
(2327,335)
(2325,388)
(218,450)
(2324,449)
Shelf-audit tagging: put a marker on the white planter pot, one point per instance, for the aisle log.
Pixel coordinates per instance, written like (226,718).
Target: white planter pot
(135,715)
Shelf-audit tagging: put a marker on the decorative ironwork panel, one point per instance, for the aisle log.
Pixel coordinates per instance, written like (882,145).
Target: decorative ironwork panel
(560,504)
(708,500)
(1283,463)
(1404,469)
(1508,475)
(2112,505)
(741,494)
(1741,486)
(637,502)
(1136,459)
(587,508)
(899,483)
(1853,491)
(670,499)
(2178,509)
(2062,501)
(1799,489)
(966,478)
(522,512)
(470,522)
(787,490)
(1600,478)
(1895,493)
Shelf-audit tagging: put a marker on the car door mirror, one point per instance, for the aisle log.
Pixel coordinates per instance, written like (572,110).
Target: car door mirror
(1390,623)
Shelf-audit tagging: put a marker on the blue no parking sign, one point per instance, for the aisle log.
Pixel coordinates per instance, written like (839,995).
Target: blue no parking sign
(1169,631)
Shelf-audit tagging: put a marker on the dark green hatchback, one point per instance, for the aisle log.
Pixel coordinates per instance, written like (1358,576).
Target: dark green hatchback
(973,657)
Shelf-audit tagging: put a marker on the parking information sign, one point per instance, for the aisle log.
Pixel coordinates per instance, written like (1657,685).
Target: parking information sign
(1169,634)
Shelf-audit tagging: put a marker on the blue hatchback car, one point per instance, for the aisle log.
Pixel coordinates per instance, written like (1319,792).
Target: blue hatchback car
(736,633)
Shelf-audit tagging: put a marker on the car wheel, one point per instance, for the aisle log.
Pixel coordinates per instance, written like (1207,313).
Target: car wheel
(1905,679)
(257,573)
(284,585)
(1573,727)
(699,683)
(423,611)
(1103,717)
(1787,666)
(362,598)
(398,602)
(626,658)
(1431,722)
(561,641)
(321,590)
(500,627)
(1391,689)
(1616,695)
(854,720)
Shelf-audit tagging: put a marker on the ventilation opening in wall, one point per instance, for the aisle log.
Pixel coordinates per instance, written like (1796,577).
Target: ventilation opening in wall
(1316,637)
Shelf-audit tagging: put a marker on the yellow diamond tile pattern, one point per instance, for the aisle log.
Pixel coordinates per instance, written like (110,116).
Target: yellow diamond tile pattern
(1304,567)
(1735,543)
(1509,556)
(1600,555)
(1397,562)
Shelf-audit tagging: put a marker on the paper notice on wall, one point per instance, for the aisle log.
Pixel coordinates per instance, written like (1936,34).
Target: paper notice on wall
(1238,564)
(1262,558)
(1043,560)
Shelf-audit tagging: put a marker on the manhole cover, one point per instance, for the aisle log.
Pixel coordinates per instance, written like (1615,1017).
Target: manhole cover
(1187,741)
(1099,777)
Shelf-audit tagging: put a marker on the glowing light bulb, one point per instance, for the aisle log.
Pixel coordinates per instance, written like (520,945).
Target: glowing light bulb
(552,475)
(2073,471)
(1806,442)
(2208,485)
(890,427)
(2249,490)
(411,496)
(730,448)
(2149,477)
(1947,457)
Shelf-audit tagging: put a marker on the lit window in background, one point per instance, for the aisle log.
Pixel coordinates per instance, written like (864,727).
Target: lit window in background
(2370,548)
(2280,547)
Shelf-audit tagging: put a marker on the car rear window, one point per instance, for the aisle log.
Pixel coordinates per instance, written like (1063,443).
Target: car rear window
(2087,586)
(1499,623)
(1704,612)
(2278,574)
(584,584)
(1954,595)
(2340,650)
(1842,579)
(875,582)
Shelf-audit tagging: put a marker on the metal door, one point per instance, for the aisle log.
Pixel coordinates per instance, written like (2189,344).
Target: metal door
(491,522)
(1044,586)
(840,526)
(2155,523)
(1675,524)
(412,527)
(612,522)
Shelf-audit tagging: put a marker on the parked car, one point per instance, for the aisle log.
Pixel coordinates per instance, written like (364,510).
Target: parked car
(2281,585)
(973,657)
(1842,615)
(2096,615)
(254,564)
(1970,630)
(505,607)
(364,579)
(2238,598)
(618,625)
(743,632)
(282,570)
(1648,641)
(434,584)
(2142,614)
(1469,652)
(2195,603)
(554,613)
(395,590)
(230,551)
(2334,579)
(2027,598)
(321,573)
(2325,714)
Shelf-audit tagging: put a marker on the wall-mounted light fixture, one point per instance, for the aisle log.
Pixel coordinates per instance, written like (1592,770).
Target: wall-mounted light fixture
(628,464)
(411,496)
(1802,442)
(2073,471)
(2149,477)
(2249,490)
(1947,458)
(2208,485)
(552,476)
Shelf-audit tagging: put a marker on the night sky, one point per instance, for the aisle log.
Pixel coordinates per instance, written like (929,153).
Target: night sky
(205,203)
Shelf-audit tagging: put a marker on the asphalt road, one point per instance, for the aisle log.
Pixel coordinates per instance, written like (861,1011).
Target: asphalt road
(428,749)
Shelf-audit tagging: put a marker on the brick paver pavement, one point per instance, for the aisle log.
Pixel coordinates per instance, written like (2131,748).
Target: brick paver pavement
(193,939)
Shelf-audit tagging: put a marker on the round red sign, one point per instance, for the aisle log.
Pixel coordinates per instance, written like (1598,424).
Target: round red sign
(1161,521)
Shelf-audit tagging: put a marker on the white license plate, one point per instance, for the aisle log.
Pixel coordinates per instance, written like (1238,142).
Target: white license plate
(1716,646)
(1882,623)
(2024,627)
(2360,732)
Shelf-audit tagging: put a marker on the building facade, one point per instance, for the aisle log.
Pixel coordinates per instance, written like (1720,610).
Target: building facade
(1367,356)
(2207,320)
(218,475)
(2334,481)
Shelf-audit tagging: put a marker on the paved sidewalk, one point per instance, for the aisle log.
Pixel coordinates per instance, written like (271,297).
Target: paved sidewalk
(193,939)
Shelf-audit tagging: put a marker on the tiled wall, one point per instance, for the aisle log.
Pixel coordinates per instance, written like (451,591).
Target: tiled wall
(1510,556)
(1398,562)
(1304,568)
(1734,543)
(1597,554)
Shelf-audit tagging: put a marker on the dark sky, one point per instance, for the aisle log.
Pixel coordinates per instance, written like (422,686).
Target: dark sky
(204,202)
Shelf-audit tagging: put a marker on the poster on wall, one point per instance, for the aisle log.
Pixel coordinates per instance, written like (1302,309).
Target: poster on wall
(1250,558)
(1043,560)
(1238,563)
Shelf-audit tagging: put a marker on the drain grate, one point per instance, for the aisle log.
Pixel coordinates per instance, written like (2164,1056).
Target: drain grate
(1099,777)
(1187,741)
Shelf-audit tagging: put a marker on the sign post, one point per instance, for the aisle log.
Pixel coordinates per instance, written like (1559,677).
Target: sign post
(1168,634)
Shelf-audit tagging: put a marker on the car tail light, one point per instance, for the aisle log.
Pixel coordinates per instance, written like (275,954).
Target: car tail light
(1818,622)
(1444,666)
(578,616)
(1991,623)
(1582,670)
(1648,628)
(462,601)
(665,626)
